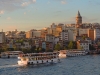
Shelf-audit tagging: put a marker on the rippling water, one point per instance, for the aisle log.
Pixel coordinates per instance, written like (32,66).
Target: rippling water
(82,65)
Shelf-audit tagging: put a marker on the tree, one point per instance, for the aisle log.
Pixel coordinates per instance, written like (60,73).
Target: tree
(26,50)
(49,50)
(43,50)
(81,47)
(65,48)
(74,45)
(33,48)
(83,37)
(70,45)
(57,47)
(20,41)
(91,47)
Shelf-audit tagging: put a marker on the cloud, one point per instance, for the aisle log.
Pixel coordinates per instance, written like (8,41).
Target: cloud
(63,2)
(25,4)
(34,0)
(24,13)
(1,12)
(28,2)
(11,5)
(8,18)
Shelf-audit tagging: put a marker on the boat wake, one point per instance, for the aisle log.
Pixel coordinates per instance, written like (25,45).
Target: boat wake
(8,66)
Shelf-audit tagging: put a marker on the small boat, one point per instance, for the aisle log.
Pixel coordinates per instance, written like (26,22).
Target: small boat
(62,53)
(4,55)
(38,58)
(73,53)
(10,54)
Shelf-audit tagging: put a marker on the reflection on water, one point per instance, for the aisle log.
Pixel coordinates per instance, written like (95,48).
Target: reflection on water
(82,65)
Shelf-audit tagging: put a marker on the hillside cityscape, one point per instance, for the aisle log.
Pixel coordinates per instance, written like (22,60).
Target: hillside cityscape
(80,35)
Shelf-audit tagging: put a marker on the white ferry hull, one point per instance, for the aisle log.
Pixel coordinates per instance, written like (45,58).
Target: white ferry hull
(24,63)
(38,58)
(21,63)
(62,55)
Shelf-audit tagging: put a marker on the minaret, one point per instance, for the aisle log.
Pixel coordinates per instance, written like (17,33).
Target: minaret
(78,19)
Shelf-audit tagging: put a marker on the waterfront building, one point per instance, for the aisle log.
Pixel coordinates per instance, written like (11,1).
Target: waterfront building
(37,43)
(89,40)
(63,35)
(83,31)
(44,45)
(49,38)
(15,34)
(20,34)
(44,32)
(49,30)
(79,38)
(11,34)
(94,34)
(10,44)
(83,45)
(53,26)
(91,33)
(70,26)
(26,45)
(72,33)
(57,30)
(2,37)
(49,45)
(56,40)
(18,45)
(33,33)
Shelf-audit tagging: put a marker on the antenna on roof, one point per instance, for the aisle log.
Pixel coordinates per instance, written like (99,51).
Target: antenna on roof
(2,30)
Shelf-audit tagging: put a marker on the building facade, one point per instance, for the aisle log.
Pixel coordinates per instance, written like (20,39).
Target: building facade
(2,37)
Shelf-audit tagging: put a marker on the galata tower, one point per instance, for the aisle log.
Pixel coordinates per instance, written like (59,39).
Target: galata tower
(78,19)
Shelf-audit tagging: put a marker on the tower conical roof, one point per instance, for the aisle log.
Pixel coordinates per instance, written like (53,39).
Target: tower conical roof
(78,15)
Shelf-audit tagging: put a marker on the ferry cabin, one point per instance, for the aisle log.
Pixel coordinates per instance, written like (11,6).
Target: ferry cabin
(38,58)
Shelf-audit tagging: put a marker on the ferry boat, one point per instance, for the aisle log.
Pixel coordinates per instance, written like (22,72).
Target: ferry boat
(10,54)
(71,53)
(62,53)
(38,58)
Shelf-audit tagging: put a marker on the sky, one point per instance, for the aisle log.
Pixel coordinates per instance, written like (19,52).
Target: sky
(25,15)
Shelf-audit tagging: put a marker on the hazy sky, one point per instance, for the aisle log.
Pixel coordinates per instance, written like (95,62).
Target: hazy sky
(37,14)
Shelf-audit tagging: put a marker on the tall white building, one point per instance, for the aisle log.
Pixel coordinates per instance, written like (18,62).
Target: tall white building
(96,33)
(2,37)
(72,33)
(64,35)
(49,38)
